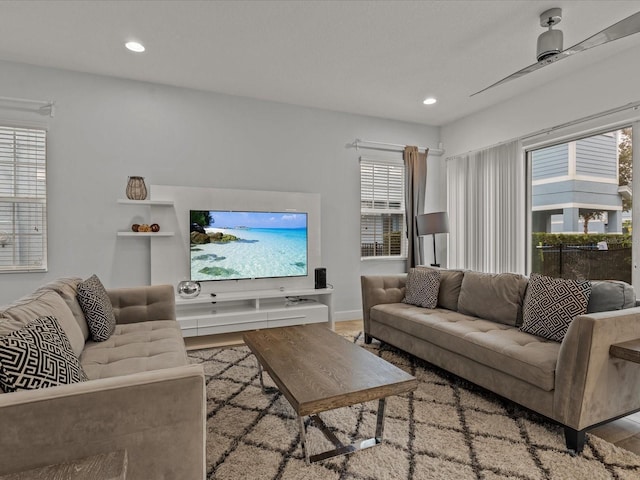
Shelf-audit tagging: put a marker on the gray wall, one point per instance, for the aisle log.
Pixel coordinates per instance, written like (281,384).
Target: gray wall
(106,129)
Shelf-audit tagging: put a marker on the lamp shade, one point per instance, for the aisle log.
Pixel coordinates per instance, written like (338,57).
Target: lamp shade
(429,223)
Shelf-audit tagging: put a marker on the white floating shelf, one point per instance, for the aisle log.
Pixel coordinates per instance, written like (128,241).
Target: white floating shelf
(158,203)
(146,234)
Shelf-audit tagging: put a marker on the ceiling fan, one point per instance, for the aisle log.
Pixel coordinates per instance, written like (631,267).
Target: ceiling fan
(550,42)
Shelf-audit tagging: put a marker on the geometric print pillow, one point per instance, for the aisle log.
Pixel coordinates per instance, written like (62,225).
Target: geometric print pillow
(551,304)
(39,355)
(422,287)
(97,308)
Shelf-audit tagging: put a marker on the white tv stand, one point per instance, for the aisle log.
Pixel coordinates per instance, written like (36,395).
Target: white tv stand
(253,309)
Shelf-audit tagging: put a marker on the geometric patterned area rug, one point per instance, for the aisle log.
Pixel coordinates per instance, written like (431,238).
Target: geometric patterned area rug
(446,429)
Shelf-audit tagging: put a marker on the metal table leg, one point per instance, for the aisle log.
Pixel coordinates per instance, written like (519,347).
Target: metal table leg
(341,449)
(303,440)
(264,390)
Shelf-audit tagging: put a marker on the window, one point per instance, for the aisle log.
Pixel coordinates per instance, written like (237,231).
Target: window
(581,207)
(23,200)
(382,213)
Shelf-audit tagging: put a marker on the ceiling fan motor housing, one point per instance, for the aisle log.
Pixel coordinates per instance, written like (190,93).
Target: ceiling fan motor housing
(549,42)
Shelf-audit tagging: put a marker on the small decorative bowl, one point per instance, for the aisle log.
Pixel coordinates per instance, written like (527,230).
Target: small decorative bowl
(188,289)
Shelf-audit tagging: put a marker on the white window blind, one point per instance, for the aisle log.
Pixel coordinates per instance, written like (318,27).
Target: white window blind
(382,213)
(23,200)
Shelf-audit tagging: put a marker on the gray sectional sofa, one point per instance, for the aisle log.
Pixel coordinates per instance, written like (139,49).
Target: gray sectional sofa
(142,395)
(574,382)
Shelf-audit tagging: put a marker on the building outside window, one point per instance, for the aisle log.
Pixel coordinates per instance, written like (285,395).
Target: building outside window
(581,201)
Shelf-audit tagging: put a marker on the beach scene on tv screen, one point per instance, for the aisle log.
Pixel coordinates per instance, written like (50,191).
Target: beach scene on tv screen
(242,245)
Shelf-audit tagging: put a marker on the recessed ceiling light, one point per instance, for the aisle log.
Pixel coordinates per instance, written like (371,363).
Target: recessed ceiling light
(135,47)
(429,101)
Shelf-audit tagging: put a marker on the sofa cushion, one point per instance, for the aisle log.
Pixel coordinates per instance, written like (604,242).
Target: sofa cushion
(135,347)
(38,355)
(502,347)
(136,304)
(97,308)
(608,295)
(551,305)
(42,303)
(493,296)
(450,285)
(67,288)
(422,287)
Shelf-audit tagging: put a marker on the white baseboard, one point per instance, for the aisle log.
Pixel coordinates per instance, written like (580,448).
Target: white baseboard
(347,315)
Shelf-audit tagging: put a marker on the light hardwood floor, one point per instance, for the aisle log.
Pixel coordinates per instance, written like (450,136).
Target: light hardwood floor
(624,432)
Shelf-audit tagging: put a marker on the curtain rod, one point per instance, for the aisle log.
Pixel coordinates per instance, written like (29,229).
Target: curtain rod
(628,106)
(43,107)
(390,147)
(548,130)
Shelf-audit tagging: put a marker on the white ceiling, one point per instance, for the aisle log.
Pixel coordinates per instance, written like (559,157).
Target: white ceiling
(379,58)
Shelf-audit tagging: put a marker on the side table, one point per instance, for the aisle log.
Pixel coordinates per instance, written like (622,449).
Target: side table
(627,350)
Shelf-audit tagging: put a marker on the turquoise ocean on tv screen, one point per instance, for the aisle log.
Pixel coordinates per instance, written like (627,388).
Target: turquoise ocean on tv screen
(259,251)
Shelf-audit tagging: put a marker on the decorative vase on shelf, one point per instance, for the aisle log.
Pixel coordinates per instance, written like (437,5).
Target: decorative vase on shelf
(188,289)
(136,189)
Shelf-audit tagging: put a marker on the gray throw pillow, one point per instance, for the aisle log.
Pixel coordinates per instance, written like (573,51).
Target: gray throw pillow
(422,287)
(39,355)
(97,308)
(551,304)
(608,295)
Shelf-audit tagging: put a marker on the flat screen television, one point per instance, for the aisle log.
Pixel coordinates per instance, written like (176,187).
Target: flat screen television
(236,245)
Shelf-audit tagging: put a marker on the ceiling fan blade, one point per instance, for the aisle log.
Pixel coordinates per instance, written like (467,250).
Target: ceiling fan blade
(621,29)
(526,70)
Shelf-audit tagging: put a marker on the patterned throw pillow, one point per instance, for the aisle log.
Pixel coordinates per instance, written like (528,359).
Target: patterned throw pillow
(97,308)
(422,287)
(552,303)
(39,355)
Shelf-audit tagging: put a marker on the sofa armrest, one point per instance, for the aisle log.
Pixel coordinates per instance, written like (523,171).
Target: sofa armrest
(158,417)
(591,385)
(377,289)
(142,304)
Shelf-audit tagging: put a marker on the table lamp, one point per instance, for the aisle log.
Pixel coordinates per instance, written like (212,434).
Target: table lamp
(430,224)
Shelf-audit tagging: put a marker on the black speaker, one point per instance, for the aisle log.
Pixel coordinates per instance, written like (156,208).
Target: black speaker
(321,277)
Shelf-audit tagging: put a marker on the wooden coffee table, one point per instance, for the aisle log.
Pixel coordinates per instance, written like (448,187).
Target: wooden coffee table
(318,370)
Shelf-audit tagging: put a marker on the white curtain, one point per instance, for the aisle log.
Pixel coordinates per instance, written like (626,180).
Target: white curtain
(486,201)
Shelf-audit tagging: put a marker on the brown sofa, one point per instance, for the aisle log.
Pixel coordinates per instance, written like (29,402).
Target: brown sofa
(575,382)
(142,396)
